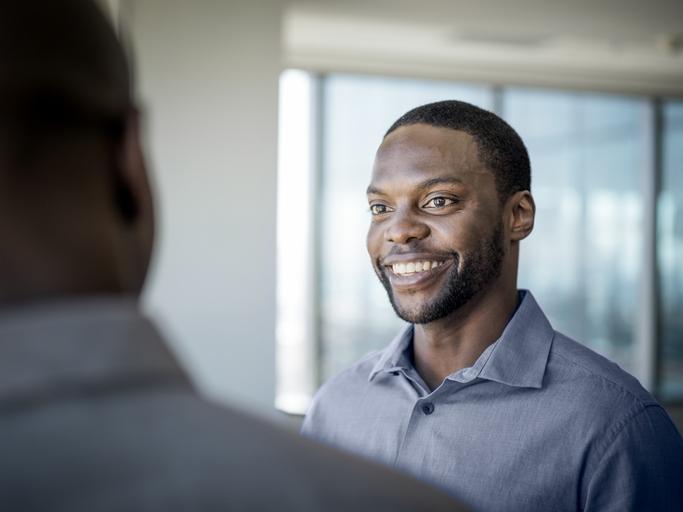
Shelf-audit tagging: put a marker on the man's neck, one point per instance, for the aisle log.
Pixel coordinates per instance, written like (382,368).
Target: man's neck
(455,342)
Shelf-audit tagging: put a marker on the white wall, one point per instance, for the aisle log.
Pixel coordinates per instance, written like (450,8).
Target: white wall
(207,76)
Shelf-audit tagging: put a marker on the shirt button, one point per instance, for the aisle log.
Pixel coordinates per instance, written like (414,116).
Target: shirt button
(428,408)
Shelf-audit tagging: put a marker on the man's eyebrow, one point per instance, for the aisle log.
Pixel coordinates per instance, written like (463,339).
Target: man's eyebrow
(437,181)
(421,186)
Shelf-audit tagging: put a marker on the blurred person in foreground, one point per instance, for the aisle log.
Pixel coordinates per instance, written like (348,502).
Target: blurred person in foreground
(478,394)
(95,413)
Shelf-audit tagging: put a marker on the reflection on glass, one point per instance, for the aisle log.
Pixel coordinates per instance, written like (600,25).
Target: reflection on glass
(582,261)
(670,252)
(356,317)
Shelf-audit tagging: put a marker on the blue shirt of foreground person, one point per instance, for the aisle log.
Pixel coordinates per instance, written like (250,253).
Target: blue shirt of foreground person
(478,394)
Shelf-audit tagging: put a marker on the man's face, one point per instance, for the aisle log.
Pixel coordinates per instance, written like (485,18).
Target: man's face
(437,237)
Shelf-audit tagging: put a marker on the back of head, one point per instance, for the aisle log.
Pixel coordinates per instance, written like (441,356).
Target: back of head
(64,108)
(61,67)
(500,148)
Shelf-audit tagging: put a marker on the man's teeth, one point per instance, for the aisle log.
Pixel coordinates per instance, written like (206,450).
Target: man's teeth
(413,267)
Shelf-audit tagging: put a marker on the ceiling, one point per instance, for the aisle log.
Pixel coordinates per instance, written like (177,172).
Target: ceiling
(624,46)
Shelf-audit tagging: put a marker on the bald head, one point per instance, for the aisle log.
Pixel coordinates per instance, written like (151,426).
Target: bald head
(73,192)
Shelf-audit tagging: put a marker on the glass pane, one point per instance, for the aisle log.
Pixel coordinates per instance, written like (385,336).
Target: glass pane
(670,251)
(582,261)
(356,317)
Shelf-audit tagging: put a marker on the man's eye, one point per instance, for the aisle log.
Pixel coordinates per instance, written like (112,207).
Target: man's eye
(439,202)
(378,209)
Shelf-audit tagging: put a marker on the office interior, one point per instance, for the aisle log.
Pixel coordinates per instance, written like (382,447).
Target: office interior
(209,79)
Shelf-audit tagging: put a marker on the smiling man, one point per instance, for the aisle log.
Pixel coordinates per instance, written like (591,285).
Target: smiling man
(478,394)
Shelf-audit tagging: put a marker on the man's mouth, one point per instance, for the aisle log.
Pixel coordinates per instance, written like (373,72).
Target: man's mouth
(413,267)
(410,272)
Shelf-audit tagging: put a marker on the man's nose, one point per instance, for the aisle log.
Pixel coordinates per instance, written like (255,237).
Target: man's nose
(404,228)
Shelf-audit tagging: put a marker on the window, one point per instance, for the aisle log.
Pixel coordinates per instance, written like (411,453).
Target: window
(582,262)
(595,175)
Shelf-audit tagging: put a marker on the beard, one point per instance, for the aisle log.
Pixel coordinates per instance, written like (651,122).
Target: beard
(479,269)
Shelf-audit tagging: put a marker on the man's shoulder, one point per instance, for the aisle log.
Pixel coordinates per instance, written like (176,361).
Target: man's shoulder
(170,449)
(594,374)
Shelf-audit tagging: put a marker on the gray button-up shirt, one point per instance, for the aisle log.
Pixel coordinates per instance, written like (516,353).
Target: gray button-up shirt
(538,423)
(96,415)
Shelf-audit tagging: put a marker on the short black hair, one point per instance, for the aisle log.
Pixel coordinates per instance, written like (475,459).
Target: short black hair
(500,147)
(62,72)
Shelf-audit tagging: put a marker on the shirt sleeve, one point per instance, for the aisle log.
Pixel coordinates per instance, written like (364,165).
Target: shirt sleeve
(641,468)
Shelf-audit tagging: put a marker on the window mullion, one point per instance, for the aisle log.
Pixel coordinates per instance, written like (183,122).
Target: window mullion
(646,353)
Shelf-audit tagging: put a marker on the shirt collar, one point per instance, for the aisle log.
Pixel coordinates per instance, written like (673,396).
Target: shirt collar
(518,358)
(395,357)
(74,345)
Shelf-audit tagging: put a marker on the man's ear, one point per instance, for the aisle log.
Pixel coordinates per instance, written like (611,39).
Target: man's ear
(132,189)
(134,202)
(523,210)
